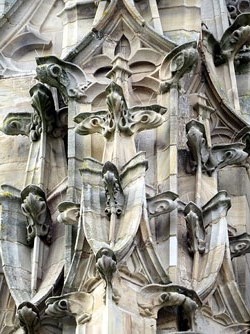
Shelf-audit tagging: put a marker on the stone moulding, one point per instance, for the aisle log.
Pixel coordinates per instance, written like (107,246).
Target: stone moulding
(209,159)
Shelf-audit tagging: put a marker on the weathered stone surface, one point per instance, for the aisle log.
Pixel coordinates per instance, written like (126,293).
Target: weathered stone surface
(106,227)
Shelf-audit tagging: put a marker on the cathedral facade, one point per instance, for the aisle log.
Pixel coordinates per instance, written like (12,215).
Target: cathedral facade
(124,166)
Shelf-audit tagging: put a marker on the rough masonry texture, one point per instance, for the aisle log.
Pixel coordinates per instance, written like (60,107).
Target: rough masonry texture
(124,166)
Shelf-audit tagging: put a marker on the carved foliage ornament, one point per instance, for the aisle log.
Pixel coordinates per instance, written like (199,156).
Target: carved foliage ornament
(210,159)
(35,208)
(44,119)
(67,77)
(119,117)
(197,219)
(177,63)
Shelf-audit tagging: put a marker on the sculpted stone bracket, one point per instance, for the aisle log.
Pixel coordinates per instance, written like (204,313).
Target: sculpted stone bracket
(119,123)
(198,219)
(239,244)
(29,318)
(45,118)
(35,208)
(69,213)
(218,156)
(161,203)
(76,304)
(153,297)
(231,41)
(177,63)
(67,77)
(196,234)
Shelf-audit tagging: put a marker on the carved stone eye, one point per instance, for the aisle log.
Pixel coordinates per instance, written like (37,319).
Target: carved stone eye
(14,125)
(144,118)
(55,70)
(63,304)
